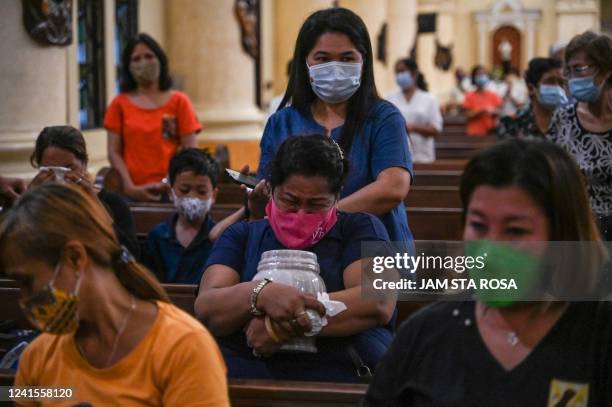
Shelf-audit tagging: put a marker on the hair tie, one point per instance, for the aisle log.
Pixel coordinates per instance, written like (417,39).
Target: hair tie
(339,149)
(125,257)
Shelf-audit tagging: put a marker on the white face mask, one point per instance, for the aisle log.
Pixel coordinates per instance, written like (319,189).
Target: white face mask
(335,82)
(194,209)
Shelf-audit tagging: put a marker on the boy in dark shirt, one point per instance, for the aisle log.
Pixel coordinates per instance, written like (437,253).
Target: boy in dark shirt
(176,250)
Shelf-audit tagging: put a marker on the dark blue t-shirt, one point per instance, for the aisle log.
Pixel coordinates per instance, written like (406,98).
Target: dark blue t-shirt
(165,256)
(240,248)
(382,143)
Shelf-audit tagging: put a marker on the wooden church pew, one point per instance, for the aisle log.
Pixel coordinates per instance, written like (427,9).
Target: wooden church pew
(275,393)
(426,223)
(433,196)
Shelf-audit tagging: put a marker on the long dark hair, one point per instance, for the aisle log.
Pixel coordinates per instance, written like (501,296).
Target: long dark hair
(127,83)
(299,90)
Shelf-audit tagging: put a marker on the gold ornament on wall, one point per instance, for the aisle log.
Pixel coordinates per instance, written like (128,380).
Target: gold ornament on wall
(48,22)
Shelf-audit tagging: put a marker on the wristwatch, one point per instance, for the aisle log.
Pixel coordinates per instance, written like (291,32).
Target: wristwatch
(255,294)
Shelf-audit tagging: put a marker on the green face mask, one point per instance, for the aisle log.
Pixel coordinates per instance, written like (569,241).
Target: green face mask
(503,263)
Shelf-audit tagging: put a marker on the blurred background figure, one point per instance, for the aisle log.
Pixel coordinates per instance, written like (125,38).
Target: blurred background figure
(64,146)
(481,105)
(419,108)
(513,92)
(148,121)
(584,129)
(463,84)
(547,91)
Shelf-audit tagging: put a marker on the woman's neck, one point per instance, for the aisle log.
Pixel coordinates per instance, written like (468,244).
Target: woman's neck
(602,107)
(328,115)
(408,93)
(150,89)
(542,116)
(103,307)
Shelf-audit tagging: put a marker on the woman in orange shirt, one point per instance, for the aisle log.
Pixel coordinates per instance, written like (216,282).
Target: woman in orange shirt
(482,105)
(147,122)
(109,330)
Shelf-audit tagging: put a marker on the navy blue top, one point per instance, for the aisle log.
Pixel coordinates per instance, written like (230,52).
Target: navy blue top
(381,144)
(240,248)
(165,256)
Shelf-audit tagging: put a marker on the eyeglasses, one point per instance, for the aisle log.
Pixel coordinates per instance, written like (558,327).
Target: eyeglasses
(578,70)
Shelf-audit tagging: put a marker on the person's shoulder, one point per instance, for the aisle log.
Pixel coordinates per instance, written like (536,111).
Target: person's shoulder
(181,324)
(599,312)
(121,99)
(382,110)
(434,316)
(354,222)
(159,231)
(43,348)
(393,95)
(179,96)
(427,97)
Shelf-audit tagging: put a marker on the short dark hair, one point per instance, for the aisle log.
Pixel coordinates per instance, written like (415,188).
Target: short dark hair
(299,91)
(538,67)
(65,137)
(309,155)
(127,83)
(598,48)
(196,160)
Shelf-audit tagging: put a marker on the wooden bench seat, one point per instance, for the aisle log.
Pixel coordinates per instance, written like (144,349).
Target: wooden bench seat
(437,177)
(275,393)
(426,223)
(433,196)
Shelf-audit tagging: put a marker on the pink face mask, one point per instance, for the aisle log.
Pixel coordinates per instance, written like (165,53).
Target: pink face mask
(299,230)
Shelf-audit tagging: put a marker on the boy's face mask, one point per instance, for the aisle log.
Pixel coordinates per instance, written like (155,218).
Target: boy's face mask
(503,261)
(52,310)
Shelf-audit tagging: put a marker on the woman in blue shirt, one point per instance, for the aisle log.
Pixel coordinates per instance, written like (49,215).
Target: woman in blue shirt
(306,179)
(332,91)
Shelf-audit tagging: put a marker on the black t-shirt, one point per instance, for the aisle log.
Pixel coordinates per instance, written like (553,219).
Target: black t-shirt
(438,358)
(123,222)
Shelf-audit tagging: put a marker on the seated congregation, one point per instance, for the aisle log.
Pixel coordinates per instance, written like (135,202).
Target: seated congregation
(224,284)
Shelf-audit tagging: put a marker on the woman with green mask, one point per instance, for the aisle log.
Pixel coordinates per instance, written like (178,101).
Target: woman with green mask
(109,331)
(501,351)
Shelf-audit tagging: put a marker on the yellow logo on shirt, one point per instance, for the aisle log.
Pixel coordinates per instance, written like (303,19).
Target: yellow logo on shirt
(568,394)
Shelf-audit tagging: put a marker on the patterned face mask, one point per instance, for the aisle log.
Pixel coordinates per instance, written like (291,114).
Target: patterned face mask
(52,310)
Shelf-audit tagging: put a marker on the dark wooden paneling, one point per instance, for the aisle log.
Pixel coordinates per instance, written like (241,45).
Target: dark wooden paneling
(433,196)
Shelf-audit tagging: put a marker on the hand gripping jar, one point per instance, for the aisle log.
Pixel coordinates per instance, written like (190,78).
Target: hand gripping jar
(299,269)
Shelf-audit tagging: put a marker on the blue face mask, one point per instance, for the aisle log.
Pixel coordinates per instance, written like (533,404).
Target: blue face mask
(584,89)
(552,96)
(335,82)
(404,80)
(482,80)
